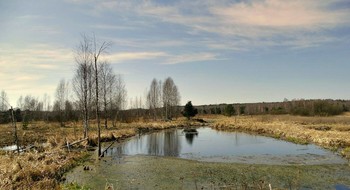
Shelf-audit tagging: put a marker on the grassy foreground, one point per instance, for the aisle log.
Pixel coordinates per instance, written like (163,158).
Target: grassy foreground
(43,166)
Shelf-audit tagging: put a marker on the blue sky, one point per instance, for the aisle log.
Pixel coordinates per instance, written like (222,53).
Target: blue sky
(217,51)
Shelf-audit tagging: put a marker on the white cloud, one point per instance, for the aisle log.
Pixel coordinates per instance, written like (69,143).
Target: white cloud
(149,43)
(38,56)
(161,57)
(131,56)
(32,69)
(111,27)
(251,23)
(297,14)
(188,58)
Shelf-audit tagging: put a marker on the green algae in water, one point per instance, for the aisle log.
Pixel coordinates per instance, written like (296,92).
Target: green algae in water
(148,172)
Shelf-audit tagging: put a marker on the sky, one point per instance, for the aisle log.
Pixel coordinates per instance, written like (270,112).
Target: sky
(216,51)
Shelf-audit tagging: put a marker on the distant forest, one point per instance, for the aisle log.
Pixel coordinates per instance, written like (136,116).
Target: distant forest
(300,107)
(294,107)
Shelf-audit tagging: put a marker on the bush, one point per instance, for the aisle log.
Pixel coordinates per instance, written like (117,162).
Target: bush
(318,108)
(229,110)
(278,111)
(302,111)
(324,108)
(242,110)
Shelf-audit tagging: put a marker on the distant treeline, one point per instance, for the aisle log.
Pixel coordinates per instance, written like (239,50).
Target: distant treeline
(126,116)
(301,107)
(294,107)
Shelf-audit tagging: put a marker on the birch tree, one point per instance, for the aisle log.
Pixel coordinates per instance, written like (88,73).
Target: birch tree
(61,98)
(118,98)
(171,98)
(98,49)
(154,97)
(3,101)
(82,79)
(107,81)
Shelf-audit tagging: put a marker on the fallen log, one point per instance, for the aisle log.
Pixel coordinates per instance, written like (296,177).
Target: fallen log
(68,145)
(78,141)
(105,150)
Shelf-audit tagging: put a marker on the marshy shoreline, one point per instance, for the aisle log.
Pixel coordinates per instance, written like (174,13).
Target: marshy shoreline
(46,166)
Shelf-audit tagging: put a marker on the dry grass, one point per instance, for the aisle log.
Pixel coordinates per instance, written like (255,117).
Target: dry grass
(38,169)
(43,167)
(329,132)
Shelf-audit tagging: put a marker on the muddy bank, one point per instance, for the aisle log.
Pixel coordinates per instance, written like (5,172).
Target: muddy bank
(147,172)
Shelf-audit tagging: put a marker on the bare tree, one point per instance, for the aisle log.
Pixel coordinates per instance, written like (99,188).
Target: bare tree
(98,49)
(20,103)
(46,106)
(82,79)
(3,101)
(171,97)
(61,98)
(154,97)
(32,103)
(107,81)
(86,79)
(118,98)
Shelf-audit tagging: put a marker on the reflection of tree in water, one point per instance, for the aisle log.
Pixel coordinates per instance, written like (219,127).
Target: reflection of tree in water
(190,137)
(115,152)
(165,144)
(171,143)
(154,144)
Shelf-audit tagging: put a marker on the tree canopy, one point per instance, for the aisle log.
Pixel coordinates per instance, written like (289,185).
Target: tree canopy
(189,111)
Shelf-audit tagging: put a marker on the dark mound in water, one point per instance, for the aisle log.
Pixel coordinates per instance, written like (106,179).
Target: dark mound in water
(190,130)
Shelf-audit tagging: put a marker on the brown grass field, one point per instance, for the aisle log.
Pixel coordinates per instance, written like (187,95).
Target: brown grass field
(329,132)
(43,166)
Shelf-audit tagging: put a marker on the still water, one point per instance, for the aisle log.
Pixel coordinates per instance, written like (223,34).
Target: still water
(218,146)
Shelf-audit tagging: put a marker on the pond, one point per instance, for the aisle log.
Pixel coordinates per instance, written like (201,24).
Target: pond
(210,159)
(217,146)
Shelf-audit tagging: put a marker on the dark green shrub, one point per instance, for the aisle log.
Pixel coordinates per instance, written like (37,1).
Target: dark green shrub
(229,110)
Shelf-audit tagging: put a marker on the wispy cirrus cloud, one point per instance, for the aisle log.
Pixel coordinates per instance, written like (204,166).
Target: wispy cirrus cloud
(260,23)
(189,58)
(161,57)
(35,56)
(31,69)
(295,15)
(149,43)
(132,56)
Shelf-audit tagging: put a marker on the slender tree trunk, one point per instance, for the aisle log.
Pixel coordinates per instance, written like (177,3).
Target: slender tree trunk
(97,111)
(86,111)
(15,128)
(105,106)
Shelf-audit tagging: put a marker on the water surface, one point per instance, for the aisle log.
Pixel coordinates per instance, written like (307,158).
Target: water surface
(219,146)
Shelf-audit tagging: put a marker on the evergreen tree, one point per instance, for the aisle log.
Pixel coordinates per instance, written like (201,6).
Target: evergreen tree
(242,110)
(189,111)
(229,110)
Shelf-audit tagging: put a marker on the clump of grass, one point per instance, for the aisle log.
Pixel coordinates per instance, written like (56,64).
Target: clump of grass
(73,186)
(346,152)
(297,140)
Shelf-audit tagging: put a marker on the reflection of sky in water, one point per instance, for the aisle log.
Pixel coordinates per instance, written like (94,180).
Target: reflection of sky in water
(210,142)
